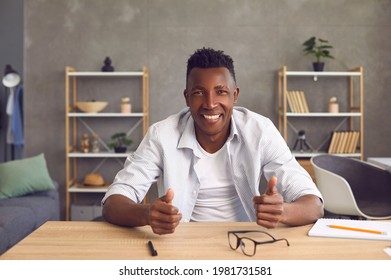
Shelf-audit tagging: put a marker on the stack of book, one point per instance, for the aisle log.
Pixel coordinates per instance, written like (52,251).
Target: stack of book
(344,142)
(297,101)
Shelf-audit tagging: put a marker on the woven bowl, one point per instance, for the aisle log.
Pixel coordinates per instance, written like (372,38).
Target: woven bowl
(91,106)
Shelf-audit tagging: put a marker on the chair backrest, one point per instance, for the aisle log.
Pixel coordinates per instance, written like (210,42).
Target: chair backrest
(351,186)
(337,195)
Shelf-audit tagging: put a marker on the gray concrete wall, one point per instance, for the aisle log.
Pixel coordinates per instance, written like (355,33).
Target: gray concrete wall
(261,36)
(11,52)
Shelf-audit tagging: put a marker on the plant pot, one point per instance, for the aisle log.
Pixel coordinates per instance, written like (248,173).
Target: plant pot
(318,66)
(120,150)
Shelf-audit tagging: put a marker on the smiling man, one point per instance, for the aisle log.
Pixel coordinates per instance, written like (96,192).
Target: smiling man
(208,161)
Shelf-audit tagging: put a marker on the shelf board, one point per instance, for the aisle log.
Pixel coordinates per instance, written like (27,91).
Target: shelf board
(312,154)
(98,155)
(322,74)
(97,115)
(106,74)
(324,114)
(75,189)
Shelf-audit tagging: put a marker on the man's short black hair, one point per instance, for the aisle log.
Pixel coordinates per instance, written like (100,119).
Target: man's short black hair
(210,58)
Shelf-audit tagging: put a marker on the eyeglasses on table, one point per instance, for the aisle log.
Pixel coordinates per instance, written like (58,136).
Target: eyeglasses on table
(249,245)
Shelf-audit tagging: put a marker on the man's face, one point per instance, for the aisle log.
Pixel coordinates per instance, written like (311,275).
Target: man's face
(211,94)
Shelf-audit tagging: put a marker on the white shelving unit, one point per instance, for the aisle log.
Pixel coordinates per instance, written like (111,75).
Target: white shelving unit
(97,155)
(354,112)
(323,115)
(311,154)
(105,115)
(74,73)
(73,118)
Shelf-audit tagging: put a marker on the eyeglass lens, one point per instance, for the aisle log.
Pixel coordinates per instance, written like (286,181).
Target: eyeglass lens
(247,246)
(233,241)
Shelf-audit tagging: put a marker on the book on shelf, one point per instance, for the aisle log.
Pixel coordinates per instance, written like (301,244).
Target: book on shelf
(355,141)
(296,94)
(333,142)
(290,102)
(344,142)
(303,98)
(349,140)
(355,136)
(297,101)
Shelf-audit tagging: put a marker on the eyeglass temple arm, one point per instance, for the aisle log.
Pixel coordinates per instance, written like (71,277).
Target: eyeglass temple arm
(272,241)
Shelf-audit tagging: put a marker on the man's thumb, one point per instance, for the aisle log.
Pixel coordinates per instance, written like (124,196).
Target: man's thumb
(272,186)
(169,196)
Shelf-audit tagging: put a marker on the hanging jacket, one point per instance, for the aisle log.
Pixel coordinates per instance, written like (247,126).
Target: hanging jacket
(15,133)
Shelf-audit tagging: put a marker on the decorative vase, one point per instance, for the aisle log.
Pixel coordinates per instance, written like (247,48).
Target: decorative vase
(126,107)
(318,66)
(333,105)
(120,150)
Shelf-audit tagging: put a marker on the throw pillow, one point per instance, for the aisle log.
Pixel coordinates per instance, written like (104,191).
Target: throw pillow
(24,176)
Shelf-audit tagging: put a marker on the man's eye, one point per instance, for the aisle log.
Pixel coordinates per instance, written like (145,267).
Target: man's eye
(221,92)
(197,92)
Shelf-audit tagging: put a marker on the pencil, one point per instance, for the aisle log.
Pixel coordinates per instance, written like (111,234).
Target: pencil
(356,229)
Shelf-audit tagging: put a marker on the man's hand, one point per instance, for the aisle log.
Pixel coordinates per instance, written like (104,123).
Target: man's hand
(163,216)
(269,207)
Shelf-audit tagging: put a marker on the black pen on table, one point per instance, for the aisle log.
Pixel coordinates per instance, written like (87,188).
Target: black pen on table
(152,249)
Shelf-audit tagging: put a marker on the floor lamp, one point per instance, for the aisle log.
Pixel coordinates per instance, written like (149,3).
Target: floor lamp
(10,80)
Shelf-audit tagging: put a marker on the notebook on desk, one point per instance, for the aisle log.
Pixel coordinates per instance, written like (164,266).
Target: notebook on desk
(356,229)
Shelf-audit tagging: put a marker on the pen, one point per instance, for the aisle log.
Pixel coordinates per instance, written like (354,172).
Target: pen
(152,249)
(357,229)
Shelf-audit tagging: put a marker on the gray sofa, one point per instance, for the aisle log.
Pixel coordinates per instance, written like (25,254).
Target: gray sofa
(21,215)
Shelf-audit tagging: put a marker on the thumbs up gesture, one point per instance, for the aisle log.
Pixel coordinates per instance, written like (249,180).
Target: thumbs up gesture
(163,216)
(169,197)
(269,207)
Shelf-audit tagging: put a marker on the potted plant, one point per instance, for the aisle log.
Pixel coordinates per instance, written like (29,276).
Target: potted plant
(320,48)
(120,142)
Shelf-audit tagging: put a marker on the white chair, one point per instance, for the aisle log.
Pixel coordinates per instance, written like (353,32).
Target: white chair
(351,187)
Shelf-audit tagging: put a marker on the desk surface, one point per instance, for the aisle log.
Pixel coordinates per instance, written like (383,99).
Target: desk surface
(202,241)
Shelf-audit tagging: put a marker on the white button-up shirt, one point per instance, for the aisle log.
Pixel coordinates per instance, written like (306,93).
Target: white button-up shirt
(168,155)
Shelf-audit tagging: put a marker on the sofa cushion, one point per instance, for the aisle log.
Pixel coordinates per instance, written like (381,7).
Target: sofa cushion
(53,193)
(3,240)
(17,223)
(44,208)
(20,177)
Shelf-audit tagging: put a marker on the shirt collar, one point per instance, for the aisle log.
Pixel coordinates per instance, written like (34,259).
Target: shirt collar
(234,129)
(188,135)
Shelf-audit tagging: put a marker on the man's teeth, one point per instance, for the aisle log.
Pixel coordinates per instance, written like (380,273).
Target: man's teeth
(211,117)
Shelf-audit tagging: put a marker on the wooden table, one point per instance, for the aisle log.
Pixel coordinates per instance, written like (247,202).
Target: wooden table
(199,241)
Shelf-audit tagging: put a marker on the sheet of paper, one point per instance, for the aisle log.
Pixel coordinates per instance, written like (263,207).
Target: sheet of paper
(322,229)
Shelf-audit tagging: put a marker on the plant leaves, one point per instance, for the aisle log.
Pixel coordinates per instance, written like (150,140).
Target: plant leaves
(319,50)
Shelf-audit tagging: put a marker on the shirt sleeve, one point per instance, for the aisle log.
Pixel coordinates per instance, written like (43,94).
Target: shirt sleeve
(293,181)
(141,169)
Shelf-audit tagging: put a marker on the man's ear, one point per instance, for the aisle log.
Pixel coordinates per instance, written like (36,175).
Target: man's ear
(186,98)
(236,94)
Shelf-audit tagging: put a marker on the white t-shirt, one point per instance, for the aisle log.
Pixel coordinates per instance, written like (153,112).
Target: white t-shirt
(217,198)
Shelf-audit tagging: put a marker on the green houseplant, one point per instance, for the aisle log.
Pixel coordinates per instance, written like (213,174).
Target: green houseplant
(320,48)
(120,142)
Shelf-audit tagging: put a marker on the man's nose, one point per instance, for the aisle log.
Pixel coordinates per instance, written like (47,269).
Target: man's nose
(209,101)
